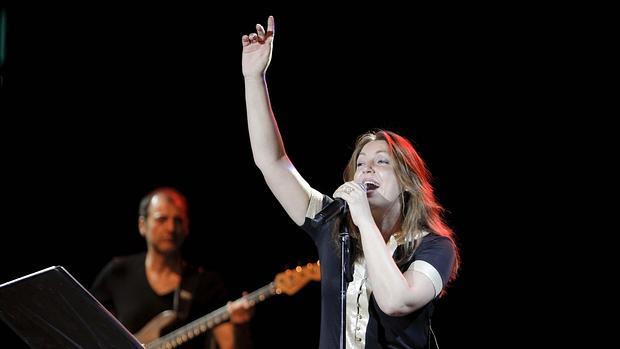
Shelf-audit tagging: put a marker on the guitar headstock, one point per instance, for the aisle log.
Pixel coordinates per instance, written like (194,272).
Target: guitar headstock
(292,280)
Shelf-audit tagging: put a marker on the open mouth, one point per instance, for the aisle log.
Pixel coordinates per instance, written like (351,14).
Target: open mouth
(370,185)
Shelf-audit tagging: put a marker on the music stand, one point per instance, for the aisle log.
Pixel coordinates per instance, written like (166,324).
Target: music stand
(51,309)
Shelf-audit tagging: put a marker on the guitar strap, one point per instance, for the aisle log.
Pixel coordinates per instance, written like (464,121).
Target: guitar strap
(184,294)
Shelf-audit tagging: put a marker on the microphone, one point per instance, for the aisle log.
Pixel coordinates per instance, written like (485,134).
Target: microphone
(334,209)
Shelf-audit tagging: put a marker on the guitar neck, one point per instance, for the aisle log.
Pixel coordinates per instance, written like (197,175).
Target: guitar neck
(205,323)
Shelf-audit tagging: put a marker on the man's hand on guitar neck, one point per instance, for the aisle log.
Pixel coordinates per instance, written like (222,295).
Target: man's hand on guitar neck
(241,311)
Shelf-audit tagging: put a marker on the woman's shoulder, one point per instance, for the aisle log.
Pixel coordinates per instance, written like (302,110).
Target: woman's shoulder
(436,243)
(433,239)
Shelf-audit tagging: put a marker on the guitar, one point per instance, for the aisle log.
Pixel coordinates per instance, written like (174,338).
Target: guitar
(288,282)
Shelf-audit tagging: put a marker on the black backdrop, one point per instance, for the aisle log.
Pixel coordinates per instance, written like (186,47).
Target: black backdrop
(110,101)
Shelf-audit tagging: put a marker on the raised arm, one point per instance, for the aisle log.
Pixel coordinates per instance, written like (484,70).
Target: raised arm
(291,190)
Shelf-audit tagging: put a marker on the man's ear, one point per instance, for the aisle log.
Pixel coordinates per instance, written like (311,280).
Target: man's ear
(142,226)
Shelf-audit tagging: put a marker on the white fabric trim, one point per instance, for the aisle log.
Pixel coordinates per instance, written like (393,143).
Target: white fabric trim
(315,205)
(427,269)
(357,315)
(392,244)
(358,297)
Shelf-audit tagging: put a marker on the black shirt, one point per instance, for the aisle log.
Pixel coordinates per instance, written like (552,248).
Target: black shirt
(122,287)
(383,331)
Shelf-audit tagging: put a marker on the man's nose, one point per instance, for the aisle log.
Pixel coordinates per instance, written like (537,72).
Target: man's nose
(172,225)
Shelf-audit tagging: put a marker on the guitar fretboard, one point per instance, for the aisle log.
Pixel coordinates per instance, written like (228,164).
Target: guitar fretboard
(202,324)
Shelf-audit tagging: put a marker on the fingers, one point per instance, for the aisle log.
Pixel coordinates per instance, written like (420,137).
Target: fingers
(253,38)
(345,190)
(241,311)
(232,307)
(261,32)
(245,40)
(271,26)
(260,36)
(246,303)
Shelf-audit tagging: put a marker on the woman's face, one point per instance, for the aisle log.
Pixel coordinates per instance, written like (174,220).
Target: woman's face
(375,170)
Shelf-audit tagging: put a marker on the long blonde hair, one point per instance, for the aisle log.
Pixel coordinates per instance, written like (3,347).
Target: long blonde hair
(420,209)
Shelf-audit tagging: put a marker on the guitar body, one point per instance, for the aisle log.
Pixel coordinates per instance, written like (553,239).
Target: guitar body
(152,330)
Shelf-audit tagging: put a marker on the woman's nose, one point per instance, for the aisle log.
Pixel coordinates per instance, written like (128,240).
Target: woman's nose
(367,169)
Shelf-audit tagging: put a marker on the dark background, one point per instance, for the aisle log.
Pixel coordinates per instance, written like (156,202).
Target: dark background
(107,102)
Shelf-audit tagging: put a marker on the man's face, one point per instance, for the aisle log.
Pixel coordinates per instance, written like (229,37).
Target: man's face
(166,225)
